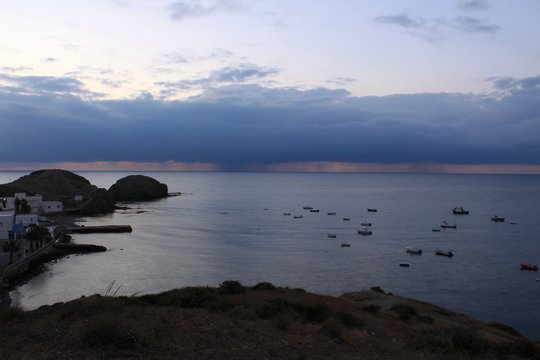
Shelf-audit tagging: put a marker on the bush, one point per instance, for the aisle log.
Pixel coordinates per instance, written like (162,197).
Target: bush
(109,331)
(231,287)
(332,329)
(315,313)
(191,297)
(349,320)
(405,311)
(264,286)
(271,307)
(506,328)
(371,308)
(452,340)
(378,289)
(522,347)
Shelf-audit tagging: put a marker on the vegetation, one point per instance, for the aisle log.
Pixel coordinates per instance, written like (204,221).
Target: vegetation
(11,246)
(236,322)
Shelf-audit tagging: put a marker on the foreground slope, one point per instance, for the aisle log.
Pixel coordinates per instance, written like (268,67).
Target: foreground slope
(263,322)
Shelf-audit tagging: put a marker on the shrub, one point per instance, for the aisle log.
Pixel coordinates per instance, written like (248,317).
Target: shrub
(191,297)
(332,329)
(231,287)
(284,320)
(521,347)
(109,331)
(378,289)
(349,320)
(426,319)
(316,313)
(506,328)
(271,307)
(371,308)
(264,286)
(405,311)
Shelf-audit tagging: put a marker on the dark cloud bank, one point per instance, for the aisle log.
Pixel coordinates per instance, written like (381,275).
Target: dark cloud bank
(45,119)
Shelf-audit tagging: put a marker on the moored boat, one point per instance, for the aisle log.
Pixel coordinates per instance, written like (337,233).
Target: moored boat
(371,209)
(446,225)
(460,211)
(331,213)
(413,250)
(313,210)
(366,224)
(496,218)
(530,267)
(364,231)
(308,207)
(404,264)
(333,236)
(297,216)
(447,253)
(346,219)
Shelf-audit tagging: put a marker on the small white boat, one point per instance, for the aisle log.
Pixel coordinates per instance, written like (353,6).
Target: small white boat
(413,250)
(364,231)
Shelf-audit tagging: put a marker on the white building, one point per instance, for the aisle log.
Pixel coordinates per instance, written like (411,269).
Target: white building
(6,224)
(26,219)
(36,203)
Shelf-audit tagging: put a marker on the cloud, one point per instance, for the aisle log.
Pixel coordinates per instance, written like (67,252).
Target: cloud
(342,80)
(40,85)
(17,68)
(226,75)
(436,30)
(50,59)
(401,20)
(181,10)
(473,5)
(241,124)
(470,24)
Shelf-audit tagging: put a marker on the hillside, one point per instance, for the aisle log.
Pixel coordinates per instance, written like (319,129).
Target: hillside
(263,322)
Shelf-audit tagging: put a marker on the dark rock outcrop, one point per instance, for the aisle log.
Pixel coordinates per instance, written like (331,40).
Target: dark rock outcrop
(138,187)
(62,185)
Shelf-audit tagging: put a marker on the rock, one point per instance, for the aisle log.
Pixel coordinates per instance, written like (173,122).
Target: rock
(62,185)
(138,187)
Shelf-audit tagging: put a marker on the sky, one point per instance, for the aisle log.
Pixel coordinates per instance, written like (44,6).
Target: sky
(270,85)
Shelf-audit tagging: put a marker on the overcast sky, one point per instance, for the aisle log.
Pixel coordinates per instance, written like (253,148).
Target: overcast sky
(339,85)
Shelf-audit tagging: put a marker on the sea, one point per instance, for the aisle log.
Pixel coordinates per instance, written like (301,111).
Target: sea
(232,226)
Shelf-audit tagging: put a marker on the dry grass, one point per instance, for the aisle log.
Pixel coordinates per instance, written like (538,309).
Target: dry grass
(237,322)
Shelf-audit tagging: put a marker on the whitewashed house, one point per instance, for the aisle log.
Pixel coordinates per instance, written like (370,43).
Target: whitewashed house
(26,219)
(6,224)
(36,203)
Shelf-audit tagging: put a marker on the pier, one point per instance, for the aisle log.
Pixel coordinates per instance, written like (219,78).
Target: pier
(99,229)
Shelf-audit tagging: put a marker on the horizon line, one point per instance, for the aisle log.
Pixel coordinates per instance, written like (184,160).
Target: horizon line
(298,167)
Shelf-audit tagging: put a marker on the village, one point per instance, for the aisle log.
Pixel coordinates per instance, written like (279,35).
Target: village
(24,229)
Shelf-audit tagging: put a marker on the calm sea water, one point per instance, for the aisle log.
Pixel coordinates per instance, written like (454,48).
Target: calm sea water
(231,226)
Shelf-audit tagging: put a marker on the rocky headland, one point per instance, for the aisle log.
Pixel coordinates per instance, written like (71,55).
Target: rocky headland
(138,187)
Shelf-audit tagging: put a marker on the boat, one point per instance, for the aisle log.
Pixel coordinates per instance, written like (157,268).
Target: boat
(331,213)
(345,245)
(495,218)
(404,264)
(436,230)
(447,253)
(529,267)
(366,224)
(307,208)
(414,251)
(346,219)
(460,211)
(286,214)
(333,236)
(371,209)
(313,210)
(297,216)
(446,225)
(364,231)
